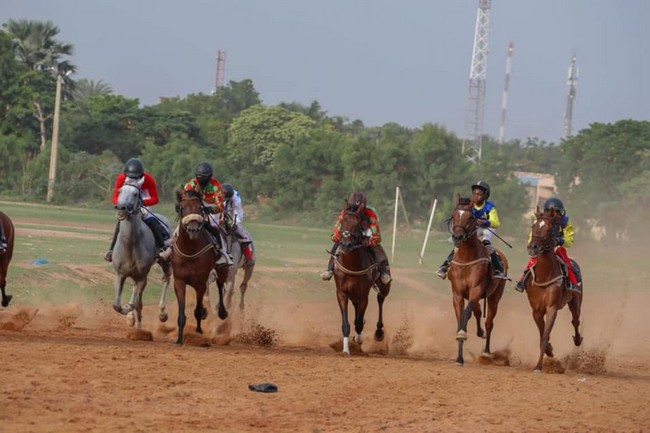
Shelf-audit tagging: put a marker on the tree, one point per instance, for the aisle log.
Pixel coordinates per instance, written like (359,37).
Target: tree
(85,89)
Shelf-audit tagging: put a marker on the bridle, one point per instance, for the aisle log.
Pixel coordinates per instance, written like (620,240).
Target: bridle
(355,237)
(186,220)
(540,245)
(466,228)
(126,211)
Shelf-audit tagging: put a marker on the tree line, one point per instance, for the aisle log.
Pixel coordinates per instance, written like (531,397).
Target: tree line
(302,160)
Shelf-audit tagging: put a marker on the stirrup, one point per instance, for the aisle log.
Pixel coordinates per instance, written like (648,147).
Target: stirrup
(386,278)
(500,275)
(166,253)
(573,288)
(108,256)
(520,286)
(326,275)
(442,272)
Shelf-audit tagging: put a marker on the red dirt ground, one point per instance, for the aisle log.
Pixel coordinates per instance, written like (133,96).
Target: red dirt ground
(71,368)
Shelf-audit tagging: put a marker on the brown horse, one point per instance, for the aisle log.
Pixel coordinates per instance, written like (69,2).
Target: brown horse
(546,287)
(193,257)
(355,273)
(470,275)
(5,257)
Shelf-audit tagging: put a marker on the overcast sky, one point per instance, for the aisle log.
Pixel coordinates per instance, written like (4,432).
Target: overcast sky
(404,61)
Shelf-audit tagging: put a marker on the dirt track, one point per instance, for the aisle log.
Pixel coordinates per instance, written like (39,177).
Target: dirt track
(73,369)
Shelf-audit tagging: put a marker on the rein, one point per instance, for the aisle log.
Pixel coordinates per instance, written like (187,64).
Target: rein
(351,272)
(192,256)
(546,283)
(473,262)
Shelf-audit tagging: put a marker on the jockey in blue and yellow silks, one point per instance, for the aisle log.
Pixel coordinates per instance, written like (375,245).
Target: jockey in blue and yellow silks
(565,240)
(487,217)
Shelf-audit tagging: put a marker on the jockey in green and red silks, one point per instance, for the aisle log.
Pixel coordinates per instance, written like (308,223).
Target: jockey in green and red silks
(371,233)
(565,240)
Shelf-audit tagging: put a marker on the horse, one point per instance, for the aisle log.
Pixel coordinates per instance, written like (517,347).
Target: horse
(193,258)
(135,253)
(5,257)
(355,272)
(471,278)
(546,286)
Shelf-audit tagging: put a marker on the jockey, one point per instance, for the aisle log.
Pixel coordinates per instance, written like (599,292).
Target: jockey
(372,234)
(564,240)
(487,220)
(212,195)
(134,169)
(234,215)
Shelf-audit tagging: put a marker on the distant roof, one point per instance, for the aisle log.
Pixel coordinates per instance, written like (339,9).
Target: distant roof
(543,180)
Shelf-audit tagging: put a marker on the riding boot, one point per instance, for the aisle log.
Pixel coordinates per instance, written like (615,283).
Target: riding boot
(523,282)
(109,254)
(327,274)
(442,270)
(224,258)
(384,267)
(157,230)
(497,264)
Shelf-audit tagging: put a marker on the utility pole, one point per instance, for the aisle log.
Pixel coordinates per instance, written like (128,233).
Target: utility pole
(221,70)
(504,99)
(571,84)
(471,147)
(55,139)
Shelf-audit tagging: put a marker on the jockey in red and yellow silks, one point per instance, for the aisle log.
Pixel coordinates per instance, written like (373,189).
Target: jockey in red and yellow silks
(369,220)
(371,232)
(565,240)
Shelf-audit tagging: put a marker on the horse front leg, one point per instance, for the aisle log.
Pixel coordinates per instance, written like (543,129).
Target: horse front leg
(545,344)
(345,326)
(119,287)
(222,312)
(248,273)
(379,333)
(179,288)
(575,305)
(493,305)
(359,319)
(5,298)
(162,305)
(199,312)
(462,315)
(137,302)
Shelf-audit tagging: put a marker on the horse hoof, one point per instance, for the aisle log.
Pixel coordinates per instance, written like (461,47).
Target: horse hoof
(223,315)
(461,336)
(459,363)
(163,317)
(130,319)
(537,371)
(7,300)
(577,341)
(379,335)
(480,333)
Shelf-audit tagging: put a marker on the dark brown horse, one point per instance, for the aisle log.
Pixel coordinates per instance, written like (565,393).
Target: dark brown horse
(546,286)
(470,275)
(193,257)
(355,272)
(5,257)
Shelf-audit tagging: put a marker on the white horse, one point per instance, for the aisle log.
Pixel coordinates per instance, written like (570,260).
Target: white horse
(135,252)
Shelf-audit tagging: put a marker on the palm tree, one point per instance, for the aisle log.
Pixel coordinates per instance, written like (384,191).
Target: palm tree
(85,89)
(36,46)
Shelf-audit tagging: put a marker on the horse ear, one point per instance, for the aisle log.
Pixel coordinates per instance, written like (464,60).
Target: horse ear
(362,208)
(457,199)
(537,212)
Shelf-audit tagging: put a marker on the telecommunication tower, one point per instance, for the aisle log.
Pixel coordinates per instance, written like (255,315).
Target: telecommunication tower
(504,99)
(477,79)
(571,83)
(221,70)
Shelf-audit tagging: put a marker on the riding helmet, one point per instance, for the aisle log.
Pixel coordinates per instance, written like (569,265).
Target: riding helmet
(228,190)
(134,168)
(356,199)
(484,186)
(554,203)
(203,173)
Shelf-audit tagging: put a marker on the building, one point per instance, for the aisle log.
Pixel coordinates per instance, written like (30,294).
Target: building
(540,186)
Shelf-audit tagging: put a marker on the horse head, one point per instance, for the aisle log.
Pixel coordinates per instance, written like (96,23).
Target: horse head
(545,232)
(129,200)
(191,213)
(462,222)
(351,232)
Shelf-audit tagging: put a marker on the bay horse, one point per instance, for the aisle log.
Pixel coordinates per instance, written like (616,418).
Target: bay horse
(471,278)
(546,287)
(193,258)
(355,272)
(5,257)
(135,252)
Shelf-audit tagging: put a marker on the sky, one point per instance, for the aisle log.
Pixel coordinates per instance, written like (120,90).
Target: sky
(379,61)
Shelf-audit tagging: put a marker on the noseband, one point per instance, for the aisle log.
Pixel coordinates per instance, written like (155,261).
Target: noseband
(199,218)
(355,236)
(539,244)
(127,211)
(467,232)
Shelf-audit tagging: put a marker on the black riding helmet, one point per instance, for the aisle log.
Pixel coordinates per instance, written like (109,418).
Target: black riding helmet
(554,203)
(484,186)
(228,190)
(203,173)
(134,168)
